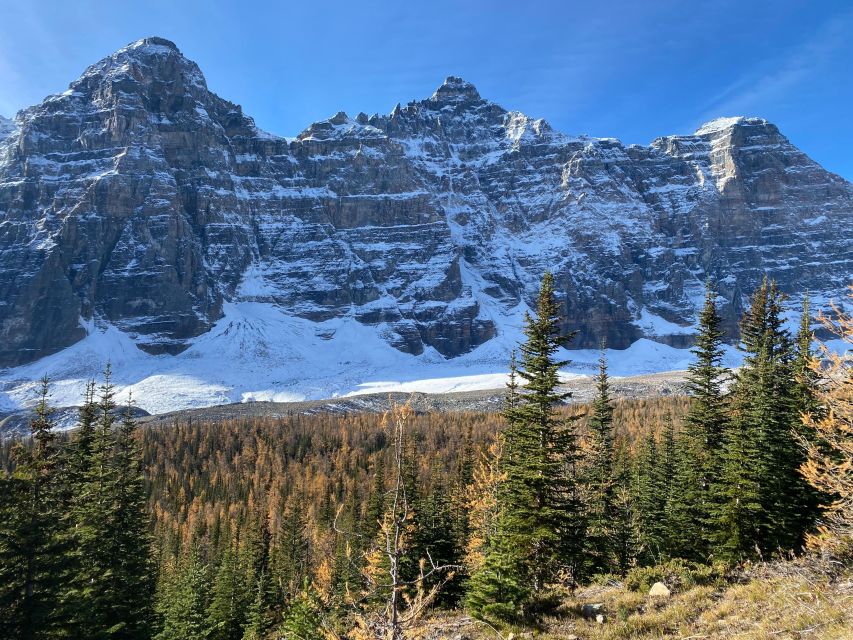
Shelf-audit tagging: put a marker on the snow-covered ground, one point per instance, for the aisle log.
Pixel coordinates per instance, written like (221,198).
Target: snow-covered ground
(256,352)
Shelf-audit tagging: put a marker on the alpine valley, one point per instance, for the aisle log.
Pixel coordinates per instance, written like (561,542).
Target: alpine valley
(146,220)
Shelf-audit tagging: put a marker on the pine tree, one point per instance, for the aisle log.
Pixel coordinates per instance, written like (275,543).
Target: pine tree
(293,551)
(498,589)
(31,561)
(376,503)
(80,449)
(434,542)
(599,479)
(807,409)
(542,508)
(805,375)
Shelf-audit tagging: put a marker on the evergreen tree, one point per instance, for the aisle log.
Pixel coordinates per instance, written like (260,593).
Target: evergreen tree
(80,448)
(30,552)
(92,511)
(761,496)
(540,527)
(376,503)
(701,440)
(434,542)
(132,572)
(303,617)
(183,601)
(806,378)
(498,589)
(226,614)
(293,552)
(543,516)
(625,534)
(650,500)
(806,410)
(599,479)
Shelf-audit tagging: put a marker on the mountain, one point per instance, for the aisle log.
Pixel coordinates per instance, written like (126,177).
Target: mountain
(140,200)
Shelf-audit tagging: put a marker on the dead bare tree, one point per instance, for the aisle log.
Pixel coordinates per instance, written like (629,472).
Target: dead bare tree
(403,601)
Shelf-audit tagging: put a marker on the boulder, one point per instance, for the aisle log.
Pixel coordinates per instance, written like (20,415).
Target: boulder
(659,590)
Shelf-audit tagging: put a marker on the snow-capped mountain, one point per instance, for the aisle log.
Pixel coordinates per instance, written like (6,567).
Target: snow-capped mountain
(139,200)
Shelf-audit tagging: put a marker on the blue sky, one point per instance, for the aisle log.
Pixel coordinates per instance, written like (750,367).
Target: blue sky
(630,69)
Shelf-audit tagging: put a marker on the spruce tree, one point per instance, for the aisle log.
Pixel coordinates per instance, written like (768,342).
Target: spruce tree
(376,502)
(132,572)
(303,617)
(227,611)
(498,590)
(760,498)
(434,542)
(701,439)
(543,515)
(183,601)
(806,378)
(626,528)
(540,524)
(599,479)
(650,500)
(31,558)
(806,410)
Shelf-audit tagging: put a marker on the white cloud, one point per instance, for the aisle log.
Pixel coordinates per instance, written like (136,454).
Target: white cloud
(772,80)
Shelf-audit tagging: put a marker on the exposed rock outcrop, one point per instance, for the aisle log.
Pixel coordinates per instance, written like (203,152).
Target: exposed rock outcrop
(140,197)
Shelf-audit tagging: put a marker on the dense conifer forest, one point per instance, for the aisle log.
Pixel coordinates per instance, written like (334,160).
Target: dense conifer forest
(365,526)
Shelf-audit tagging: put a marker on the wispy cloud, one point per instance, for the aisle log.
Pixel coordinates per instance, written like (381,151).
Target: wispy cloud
(774,79)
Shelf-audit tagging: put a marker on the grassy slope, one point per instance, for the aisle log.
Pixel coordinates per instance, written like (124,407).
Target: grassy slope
(775,601)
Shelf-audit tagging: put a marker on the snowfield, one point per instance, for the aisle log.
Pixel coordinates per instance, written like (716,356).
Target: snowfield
(257,352)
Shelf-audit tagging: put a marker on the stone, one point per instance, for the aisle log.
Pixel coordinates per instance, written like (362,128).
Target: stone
(659,590)
(141,199)
(589,611)
(599,618)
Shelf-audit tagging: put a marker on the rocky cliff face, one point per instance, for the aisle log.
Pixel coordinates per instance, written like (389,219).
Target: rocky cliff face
(140,198)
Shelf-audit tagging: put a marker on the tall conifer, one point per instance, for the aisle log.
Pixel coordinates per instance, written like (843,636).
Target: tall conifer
(601,516)
(31,561)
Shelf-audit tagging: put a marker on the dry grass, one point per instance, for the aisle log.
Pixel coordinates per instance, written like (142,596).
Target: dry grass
(778,601)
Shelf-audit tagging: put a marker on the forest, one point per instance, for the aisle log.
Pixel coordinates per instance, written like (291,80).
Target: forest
(380,526)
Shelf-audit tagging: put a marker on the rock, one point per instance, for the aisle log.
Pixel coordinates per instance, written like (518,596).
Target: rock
(659,590)
(141,199)
(599,618)
(589,611)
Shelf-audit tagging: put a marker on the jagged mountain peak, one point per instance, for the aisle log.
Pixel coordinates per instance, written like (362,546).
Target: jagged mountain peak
(140,64)
(724,124)
(153,44)
(455,90)
(340,126)
(141,199)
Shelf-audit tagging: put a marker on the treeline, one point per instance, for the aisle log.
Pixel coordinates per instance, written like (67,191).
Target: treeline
(356,526)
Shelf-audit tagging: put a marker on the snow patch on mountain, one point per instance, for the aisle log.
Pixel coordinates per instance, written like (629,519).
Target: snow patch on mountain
(7,127)
(257,352)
